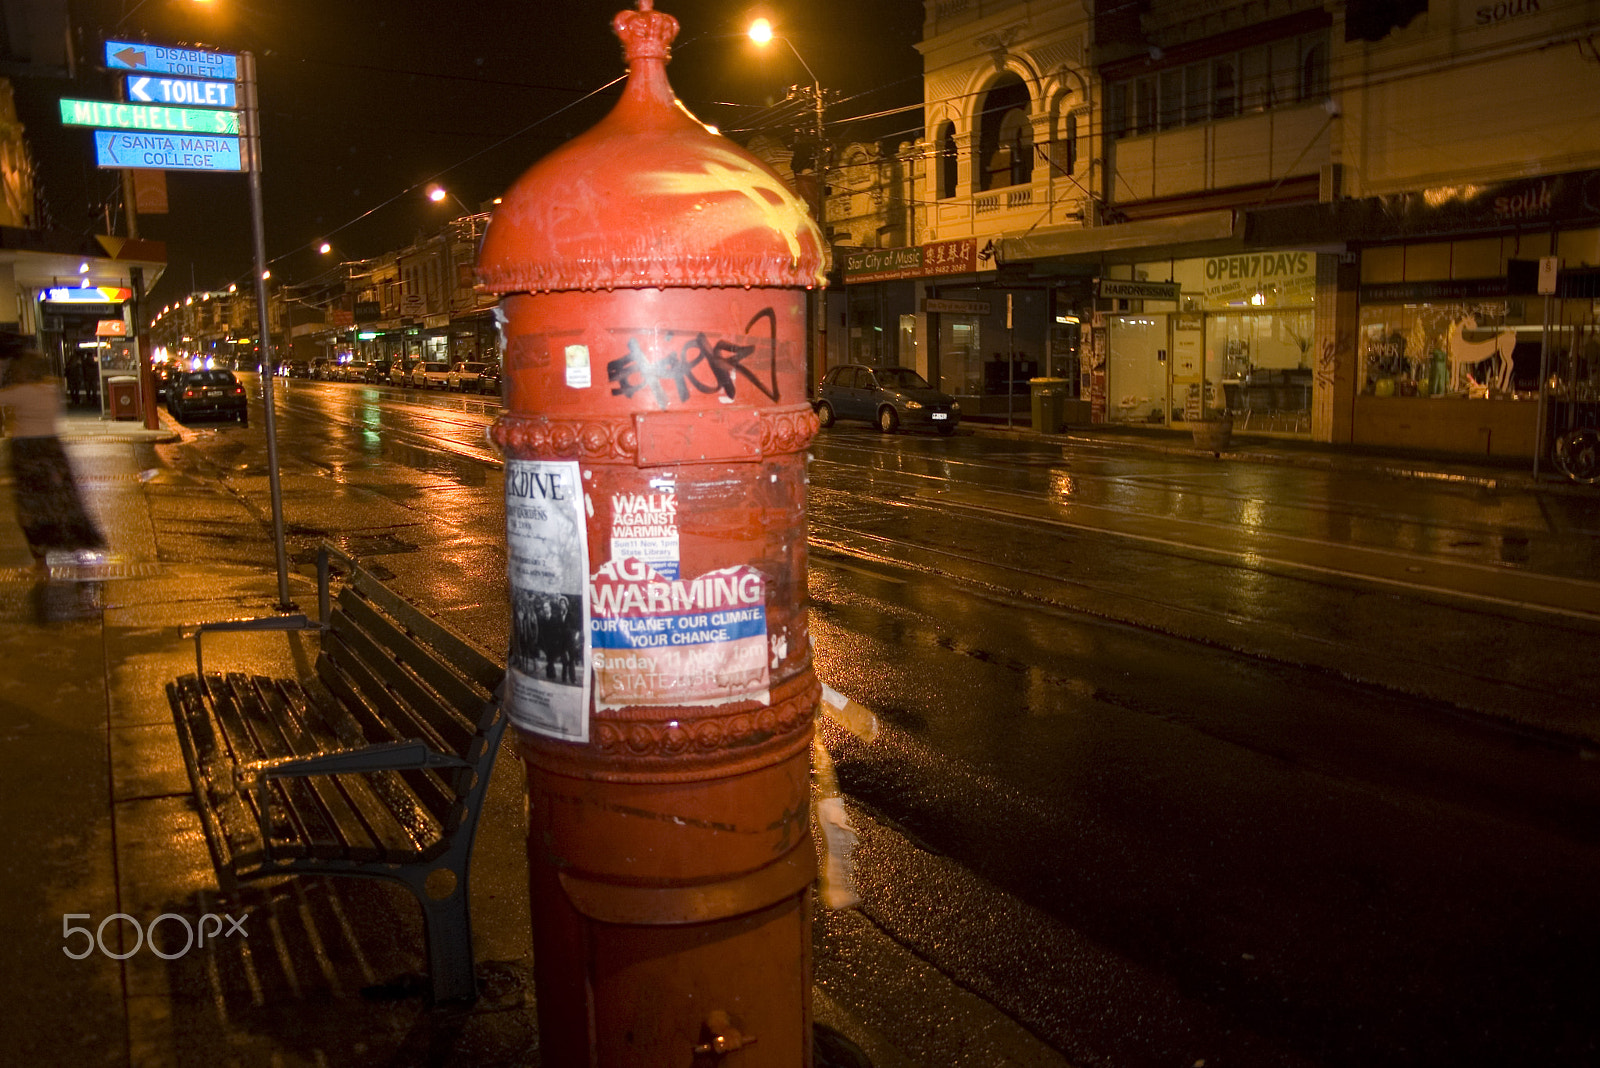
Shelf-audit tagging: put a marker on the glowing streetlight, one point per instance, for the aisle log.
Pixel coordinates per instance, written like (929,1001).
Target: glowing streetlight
(325,248)
(438,194)
(762,33)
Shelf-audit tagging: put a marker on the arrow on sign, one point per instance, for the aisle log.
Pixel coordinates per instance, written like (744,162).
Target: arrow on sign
(139,89)
(133,57)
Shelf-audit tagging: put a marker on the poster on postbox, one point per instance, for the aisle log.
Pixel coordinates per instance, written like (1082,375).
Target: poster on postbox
(673,641)
(547,675)
(644,526)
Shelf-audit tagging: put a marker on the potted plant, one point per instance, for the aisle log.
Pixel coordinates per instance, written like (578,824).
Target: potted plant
(1213,430)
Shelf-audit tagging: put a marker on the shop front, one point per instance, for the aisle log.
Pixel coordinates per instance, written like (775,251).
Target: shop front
(1453,361)
(975,332)
(474,336)
(1186,339)
(1463,318)
(882,318)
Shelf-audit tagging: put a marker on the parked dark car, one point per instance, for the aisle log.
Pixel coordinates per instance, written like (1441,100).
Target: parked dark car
(378,372)
(208,394)
(489,379)
(887,397)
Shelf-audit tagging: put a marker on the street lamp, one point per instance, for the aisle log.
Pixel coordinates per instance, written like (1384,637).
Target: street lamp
(762,34)
(437,193)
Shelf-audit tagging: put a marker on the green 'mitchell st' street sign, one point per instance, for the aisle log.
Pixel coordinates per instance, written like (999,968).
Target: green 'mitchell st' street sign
(143,117)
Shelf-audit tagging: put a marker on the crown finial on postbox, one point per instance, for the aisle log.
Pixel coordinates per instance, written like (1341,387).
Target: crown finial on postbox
(650,197)
(645,33)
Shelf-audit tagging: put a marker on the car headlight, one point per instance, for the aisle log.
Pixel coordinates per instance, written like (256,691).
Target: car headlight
(912,405)
(955,406)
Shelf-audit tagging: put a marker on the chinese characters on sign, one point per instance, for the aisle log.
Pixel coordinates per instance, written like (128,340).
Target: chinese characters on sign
(923,261)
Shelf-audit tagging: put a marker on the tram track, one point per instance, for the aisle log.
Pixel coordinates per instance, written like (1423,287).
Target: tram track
(1509,692)
(1407,571)
(886,523)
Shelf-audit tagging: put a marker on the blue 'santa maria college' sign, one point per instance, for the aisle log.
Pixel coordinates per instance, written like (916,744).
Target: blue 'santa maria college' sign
(168,152)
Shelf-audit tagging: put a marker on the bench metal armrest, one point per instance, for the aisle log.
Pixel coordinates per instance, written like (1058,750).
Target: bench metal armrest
(265,623)
(385,756)
(325,555)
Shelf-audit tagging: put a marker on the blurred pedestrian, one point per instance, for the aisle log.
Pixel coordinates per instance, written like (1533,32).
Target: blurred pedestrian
(49,508)
(74,380)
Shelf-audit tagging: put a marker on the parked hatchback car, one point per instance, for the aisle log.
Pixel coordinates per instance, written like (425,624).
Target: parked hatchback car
(464,376)
(429,374)
(887,397)
(489,379)
(207,394)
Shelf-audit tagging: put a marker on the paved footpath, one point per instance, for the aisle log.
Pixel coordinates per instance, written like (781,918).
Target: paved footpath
(96,821)
(104,851)
(97,824)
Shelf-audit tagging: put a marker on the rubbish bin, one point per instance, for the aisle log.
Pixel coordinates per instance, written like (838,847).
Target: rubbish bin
(1049,401)
(123,394)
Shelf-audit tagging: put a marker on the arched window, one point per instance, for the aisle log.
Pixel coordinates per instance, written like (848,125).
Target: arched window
(1005,136)
(949,161)
(1313,71)
(1064,149)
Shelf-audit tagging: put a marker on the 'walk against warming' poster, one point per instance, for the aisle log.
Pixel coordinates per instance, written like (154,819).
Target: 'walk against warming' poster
(670,641)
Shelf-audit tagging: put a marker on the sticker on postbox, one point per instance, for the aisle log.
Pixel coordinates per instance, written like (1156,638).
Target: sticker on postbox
(547,561)
(644,526)
(661,641)
(578,373)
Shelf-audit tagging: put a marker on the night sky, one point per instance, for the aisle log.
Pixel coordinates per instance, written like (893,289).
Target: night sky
(366,102)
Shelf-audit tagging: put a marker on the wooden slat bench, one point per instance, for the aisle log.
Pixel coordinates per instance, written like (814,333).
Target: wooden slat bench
(375,766)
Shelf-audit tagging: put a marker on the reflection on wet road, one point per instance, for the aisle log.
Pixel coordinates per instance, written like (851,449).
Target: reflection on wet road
(1184,761)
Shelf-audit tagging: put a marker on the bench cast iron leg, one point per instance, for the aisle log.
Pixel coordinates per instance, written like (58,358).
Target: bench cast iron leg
(447,928)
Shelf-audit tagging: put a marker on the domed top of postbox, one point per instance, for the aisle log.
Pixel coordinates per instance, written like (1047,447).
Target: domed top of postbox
(649,198)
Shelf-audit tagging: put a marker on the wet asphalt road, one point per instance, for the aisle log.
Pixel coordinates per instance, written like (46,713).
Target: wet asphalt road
(1182,761)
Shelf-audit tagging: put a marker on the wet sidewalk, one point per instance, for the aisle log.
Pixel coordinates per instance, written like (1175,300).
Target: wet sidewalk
(109,882)
(107,876)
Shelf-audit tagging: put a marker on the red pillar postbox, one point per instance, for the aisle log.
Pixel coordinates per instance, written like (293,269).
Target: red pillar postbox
(653,279)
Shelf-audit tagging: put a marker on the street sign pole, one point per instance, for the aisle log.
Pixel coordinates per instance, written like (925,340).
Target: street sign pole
(1549,267)
(250,148)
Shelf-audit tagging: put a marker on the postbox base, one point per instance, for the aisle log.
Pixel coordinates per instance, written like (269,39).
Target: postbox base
(641,996)
(671,913)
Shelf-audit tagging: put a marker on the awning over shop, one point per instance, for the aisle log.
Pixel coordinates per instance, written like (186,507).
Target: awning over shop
(35,260)
(1570,199)
(1203,234)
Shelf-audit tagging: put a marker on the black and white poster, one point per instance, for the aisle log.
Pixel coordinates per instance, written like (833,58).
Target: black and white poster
(548,565)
